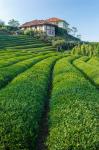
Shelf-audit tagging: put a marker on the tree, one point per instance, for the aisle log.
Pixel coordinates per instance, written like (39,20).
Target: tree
(13,23)
(58,44)
(69,30)
(2,23)
(79,36)
(29,32)
(74,30)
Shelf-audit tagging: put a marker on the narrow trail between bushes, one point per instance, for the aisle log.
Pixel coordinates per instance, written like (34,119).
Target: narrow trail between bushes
(44,126)
(85,76)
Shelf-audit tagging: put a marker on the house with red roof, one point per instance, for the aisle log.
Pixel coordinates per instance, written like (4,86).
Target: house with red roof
(48,26)
(59,22)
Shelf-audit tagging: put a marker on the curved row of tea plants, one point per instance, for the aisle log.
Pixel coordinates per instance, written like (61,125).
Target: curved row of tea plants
(4,62)
(11,54)
(10,61)
(94,61)
(8,73)
(22,106)
(20,41)
(92,71)
(74,105)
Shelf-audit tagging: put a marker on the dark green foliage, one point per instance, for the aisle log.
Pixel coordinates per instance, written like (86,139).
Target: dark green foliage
(61,44)
(11,28)
(2,24)
(64,34)
(13,23)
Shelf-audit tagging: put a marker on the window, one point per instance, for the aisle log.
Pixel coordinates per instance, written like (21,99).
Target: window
(48,27)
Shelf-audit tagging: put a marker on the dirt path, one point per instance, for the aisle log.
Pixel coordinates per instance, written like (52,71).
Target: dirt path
(43,132)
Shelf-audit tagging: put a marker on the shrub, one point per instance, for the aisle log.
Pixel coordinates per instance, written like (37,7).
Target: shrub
(8,73)
(90,49)
(58,44)
(29,32)
(91,71)
(73,116)
(25,98)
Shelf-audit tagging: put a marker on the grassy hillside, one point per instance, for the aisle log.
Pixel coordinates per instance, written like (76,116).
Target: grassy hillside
(48,100)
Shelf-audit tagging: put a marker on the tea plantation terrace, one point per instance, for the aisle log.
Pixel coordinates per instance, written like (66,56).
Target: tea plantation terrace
(48,100)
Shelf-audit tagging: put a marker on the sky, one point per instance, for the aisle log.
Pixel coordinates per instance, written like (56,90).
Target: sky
(83,14)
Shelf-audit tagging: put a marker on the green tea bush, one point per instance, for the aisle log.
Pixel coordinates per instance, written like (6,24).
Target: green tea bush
(22,106)
(90,70)
(8,41)
(29,32)
(11,61)
(8,73)
(74,104)
(94,61)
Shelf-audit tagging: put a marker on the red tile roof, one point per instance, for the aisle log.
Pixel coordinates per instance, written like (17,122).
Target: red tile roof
(36,22)
(54,20)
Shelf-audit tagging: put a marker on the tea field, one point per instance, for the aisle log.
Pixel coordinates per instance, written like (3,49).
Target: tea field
(48,100)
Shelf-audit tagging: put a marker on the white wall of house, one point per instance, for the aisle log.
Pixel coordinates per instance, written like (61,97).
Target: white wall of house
(62,24)
(38,28)
(48,29)
(44,28)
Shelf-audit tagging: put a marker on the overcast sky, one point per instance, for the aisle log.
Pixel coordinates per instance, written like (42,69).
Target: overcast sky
(84,14)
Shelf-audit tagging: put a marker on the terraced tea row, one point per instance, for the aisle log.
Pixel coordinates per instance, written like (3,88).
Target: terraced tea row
(22,106)
(91,71)
(73,110)
(8,73)
(16,39)
(94,61)
(13,52)
(33,78)
(9,60)
(10,41)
